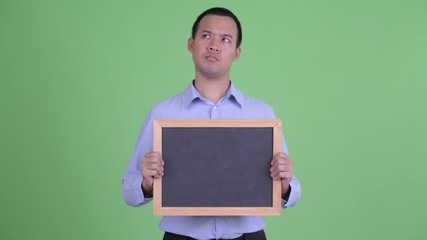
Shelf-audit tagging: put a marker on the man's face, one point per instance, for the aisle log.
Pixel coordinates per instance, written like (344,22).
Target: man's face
(214,46)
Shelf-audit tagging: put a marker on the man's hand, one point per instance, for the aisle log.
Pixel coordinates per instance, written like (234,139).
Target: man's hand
(151,167)
(282,168)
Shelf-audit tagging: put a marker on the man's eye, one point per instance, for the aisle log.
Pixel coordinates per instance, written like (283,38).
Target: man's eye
(206,35)
(226,40)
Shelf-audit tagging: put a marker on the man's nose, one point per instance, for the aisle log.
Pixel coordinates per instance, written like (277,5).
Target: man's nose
(214,47)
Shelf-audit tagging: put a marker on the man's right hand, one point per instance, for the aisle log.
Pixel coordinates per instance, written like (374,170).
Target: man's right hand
(151,167)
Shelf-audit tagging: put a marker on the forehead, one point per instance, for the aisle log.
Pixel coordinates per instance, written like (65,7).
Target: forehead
(218,24)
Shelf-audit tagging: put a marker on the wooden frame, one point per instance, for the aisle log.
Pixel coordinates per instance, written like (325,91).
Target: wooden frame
(274,209)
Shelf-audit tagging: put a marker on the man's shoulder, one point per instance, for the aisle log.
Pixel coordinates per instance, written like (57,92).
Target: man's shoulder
(249,101)
(256,102)
(257,108)
(168,105)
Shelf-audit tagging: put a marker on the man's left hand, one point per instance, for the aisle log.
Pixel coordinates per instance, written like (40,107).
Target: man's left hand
(282,168)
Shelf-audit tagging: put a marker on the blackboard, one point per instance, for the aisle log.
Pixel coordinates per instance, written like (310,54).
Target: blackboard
(217,167)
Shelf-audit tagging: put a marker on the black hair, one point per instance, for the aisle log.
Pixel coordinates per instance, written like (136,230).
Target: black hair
(219,11)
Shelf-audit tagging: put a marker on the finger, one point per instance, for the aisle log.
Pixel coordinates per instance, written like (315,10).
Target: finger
(154,170)
(153,166)
(281,155)
(281,167)
(280,158)
(275,173)
(282,171)
(152,156)
(286,176)
(160,170)
(147,173)
(282,175)
(151,160)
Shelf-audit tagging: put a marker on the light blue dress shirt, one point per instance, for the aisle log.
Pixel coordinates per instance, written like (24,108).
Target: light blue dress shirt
(191,105)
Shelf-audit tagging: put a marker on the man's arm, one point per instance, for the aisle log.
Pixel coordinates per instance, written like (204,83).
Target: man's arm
(133,178)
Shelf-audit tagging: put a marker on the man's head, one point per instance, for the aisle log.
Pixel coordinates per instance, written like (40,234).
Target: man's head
(219,11)
(214,43)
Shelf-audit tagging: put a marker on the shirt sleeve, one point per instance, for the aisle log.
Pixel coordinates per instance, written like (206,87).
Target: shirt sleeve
(132,178)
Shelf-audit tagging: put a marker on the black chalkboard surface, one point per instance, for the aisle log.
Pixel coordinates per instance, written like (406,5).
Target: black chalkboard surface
(217,167)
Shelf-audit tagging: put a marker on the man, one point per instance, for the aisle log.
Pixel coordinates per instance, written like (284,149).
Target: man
(215,45)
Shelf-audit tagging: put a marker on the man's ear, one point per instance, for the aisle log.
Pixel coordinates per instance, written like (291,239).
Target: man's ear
(238,51)
(190,44)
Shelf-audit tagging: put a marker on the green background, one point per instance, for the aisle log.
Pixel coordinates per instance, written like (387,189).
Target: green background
(348,79)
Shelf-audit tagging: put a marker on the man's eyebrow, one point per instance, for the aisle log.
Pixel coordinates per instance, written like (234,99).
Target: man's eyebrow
(226,35)
(222,34)
(207,31)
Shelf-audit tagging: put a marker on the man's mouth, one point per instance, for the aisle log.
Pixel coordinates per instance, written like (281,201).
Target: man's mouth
(212,58)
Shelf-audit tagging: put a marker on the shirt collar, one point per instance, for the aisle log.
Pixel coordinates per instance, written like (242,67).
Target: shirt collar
(191,94)
(235,95)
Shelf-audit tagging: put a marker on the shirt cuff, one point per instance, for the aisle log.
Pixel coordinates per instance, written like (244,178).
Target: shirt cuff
(132,192)
(294,195)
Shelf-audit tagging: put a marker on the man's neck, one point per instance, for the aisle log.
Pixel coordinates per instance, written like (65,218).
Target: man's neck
(213,90)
